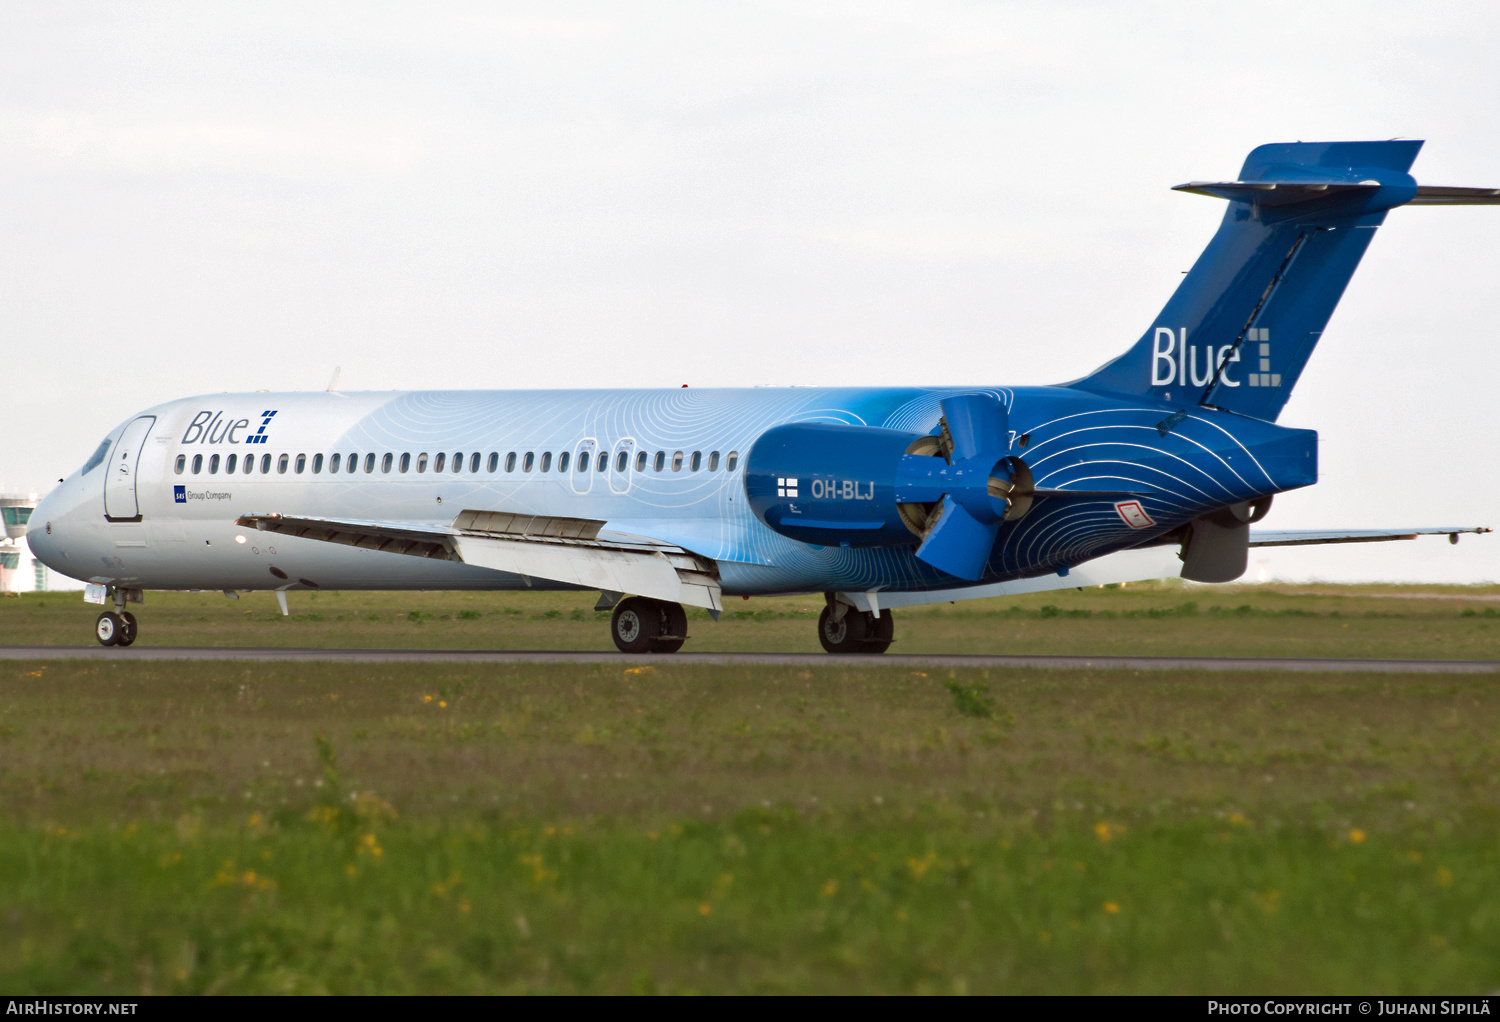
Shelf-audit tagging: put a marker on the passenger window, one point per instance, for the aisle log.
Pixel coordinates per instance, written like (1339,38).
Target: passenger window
(249,464)
(181,464)
(385,462)
(265,464)
(585,462)
(661,460)
(696,462)
(622,461)
(213,465)
(546,460)
(494,461)
(603,461)
(458,461)
(351,463)
(301,463)
(474,462)
(281,464)
(713,461)
(734,459)
(510,461)
(230,463)
(640,461)
(406,462)
(677,462)
(422,463)
(334,462)
(439,461)
(562,461)
(369,463)
(197,463)
(527,462)
(317,464)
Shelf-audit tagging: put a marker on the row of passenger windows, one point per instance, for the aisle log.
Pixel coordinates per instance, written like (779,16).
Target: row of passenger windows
(440,462)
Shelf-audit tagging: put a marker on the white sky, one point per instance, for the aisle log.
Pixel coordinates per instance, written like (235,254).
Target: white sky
(204,197)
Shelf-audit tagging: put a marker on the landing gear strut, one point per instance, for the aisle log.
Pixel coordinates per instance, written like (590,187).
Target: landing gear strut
(842,629)
(640,625)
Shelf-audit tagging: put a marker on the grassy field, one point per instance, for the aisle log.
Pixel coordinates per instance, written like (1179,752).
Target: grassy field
(226,827)
(1454,622)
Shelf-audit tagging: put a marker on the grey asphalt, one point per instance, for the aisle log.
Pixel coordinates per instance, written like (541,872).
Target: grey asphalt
(491,656)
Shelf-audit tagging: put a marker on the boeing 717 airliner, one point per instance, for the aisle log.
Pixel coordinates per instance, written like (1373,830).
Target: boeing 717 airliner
(875,497)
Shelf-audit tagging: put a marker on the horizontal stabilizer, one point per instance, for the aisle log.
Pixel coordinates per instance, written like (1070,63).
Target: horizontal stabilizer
(1284,193)
(1440,195)
(1276,193)
(575,551)
(1314,537)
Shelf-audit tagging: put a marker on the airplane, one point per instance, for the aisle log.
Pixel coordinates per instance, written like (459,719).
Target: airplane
(877,498)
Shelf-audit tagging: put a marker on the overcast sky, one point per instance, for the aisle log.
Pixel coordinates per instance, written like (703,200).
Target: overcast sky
(206,197)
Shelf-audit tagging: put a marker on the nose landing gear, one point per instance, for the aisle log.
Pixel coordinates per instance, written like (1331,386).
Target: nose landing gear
(640,625)
(117,627)
(113,629)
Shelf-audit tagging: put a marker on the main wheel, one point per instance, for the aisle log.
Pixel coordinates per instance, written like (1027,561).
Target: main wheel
(845,635)
(639,624)
(880,632)
(127,636)
(674,629)
(109,628)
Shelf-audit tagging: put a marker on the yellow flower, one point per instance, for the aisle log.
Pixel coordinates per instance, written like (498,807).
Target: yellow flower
(1103,831)
(1111,908)
(1356,836)
(705,908)
(920,866)
(443,703)
(830,889)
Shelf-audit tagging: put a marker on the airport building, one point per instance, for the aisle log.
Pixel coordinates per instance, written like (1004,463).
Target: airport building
(19,571)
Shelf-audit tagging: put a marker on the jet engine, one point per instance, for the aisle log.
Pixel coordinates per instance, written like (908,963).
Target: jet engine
(860,486)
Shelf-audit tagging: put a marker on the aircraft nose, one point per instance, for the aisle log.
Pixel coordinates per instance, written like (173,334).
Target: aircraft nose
(45,532)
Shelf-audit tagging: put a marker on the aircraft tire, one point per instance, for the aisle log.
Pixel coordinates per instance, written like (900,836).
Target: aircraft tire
(127,636)
(847,634)
(637,624)
(880,632)
(673,631)
(108,628)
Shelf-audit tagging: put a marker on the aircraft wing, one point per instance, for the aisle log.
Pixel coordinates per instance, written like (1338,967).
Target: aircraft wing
(576,551)
(1314,537)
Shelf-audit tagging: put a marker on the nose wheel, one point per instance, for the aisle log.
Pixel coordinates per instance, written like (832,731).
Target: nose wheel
(115,629)
(640,625)
(855,631)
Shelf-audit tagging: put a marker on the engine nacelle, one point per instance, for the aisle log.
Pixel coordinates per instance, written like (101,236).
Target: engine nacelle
(860,486)
(828,484)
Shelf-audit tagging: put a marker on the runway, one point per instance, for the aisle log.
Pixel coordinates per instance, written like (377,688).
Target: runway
(904,660)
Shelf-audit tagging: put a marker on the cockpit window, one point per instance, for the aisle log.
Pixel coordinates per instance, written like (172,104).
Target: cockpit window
(96,459)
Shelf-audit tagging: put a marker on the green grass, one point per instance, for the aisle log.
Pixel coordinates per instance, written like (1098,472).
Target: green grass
(1454,622)
(235,827)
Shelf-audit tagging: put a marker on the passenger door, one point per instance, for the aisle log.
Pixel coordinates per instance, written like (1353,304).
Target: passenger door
(120,504)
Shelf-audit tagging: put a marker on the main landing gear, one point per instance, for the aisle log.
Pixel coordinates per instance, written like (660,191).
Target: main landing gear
(117,627)
(640,625)
(842,629)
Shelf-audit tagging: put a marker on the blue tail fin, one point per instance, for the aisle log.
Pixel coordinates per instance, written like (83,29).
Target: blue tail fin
(1247,316)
